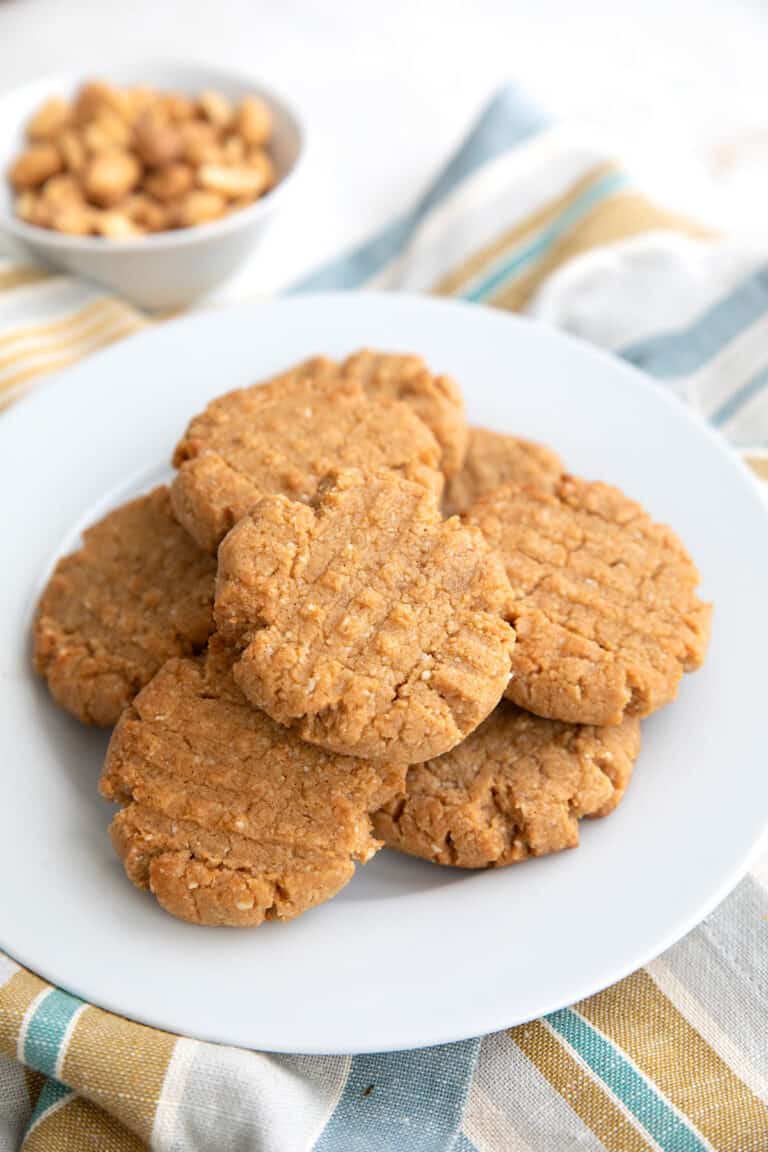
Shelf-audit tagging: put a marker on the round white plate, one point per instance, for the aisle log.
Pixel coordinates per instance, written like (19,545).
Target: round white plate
(408,954)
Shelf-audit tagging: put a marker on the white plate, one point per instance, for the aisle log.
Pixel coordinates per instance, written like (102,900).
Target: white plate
(409,954)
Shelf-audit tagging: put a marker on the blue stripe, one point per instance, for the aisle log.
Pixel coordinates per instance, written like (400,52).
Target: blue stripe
(51,1093)
(463,1144)
(739,398)
(532,250)
(685,350)
(47,1028)
(409,1101)
(668,1129)
(505,122)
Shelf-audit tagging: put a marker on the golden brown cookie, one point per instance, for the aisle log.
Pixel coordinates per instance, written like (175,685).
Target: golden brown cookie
(604,601)
(436,399)
(493,459)
(138,592)
(517,787)
(229,818)
(282,437)
(365,619)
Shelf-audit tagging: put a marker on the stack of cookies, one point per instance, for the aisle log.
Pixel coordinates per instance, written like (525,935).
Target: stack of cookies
(353,621)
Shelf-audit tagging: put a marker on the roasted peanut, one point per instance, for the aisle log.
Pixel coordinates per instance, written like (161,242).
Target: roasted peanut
(254,120)
(233,150)
(110,176)
(31,209)
(261,161)
(138,99)
(232,182)
(157,141)
(115,127)
(62,189)
(199,207)
(76,219)
(115,225)
(96,138)
(72,150)
(95,98)
(176,106)
(35,166)
(199,142)
(146,212)
(170,183)
(216,108)
(49,120)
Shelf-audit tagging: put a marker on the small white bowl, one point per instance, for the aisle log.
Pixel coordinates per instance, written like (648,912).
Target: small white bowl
(166,269)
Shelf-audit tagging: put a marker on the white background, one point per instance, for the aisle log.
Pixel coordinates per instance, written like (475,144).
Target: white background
(678,89)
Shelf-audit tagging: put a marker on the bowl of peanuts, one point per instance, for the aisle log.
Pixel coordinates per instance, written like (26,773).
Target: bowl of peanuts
(156,183)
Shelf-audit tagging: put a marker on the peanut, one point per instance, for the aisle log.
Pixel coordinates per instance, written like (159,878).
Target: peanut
(199,207)
(97,97)
(254,120)
(138,99)
(31,209)
(63,189)
(76,219)
(177,106)
(232,182)
(110,176)
(216,108)
(34,166)
(72,150)
(261,161)
(233,150)
(96,138)
(115,225)
(115,127)
(147,213)
(49,120)
(170,183)
(199,142)
(157,141)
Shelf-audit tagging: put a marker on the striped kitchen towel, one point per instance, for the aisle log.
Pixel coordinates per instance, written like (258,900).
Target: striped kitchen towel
(675,1057)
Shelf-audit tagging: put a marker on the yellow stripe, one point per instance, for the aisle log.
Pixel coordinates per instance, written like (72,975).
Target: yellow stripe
(106,334)
(641,1020)
(454,282)
(588,1099)
(620,216)
(759,465)
(78,1125)
(46,347)
(15,998)
(36,332)
(129,1081)
(20,275)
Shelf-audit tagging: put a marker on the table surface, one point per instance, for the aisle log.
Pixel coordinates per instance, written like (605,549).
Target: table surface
(677,90)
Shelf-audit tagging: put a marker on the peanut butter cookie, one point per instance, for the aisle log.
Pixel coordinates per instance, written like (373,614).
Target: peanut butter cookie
(138,592)
(436,399)
(493,459)
(227,817)
(282,437)
(603,603)
(365,619)
(517,787)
